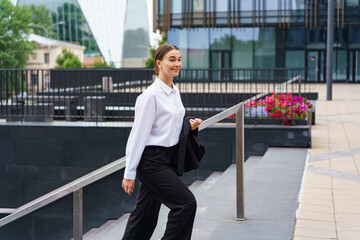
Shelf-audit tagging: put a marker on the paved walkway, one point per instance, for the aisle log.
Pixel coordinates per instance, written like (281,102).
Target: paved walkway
(330,195)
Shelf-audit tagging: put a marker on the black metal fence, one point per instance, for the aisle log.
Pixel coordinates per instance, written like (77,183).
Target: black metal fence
(110,94)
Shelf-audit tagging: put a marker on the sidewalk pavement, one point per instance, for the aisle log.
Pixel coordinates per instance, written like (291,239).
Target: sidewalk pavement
(329,205)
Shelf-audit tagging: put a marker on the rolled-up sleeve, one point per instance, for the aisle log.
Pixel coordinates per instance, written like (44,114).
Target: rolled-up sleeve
(145,110)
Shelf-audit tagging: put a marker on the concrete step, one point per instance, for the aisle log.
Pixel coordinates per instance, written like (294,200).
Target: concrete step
(195,185)
(107,230)
(198,187)
(272,183)
(114,229)
(209,182)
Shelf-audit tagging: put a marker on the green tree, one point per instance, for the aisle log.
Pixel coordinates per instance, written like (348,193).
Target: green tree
(67,60)
(41,16)
(150,62)
(14,47)
(103,64)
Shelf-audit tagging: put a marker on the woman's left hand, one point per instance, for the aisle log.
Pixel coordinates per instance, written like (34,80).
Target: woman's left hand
(194,123)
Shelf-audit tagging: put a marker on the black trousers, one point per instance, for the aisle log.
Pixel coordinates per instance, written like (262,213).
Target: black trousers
(160,184)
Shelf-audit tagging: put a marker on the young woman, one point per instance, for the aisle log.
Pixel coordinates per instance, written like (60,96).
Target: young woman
(150,151)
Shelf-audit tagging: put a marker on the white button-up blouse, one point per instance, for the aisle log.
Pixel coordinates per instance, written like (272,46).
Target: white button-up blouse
(159,115)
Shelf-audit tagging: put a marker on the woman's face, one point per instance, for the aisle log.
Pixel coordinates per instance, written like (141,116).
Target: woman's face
(170,65)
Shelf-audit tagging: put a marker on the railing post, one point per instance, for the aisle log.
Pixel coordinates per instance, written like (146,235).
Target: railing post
(78,214)
(240,204)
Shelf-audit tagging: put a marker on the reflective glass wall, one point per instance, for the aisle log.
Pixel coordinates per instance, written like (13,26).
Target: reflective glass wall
(135,48)
(270,47)
(117,30)
(75,29)
(266,34)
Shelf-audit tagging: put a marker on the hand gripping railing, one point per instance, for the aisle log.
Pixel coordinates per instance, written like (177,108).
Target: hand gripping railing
(77,185)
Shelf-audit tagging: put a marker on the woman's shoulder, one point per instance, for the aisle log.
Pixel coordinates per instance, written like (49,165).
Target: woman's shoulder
(148,95)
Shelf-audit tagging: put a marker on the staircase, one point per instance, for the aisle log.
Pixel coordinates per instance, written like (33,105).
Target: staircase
(272,185)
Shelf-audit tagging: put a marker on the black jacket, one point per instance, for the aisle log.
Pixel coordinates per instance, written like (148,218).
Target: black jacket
(190,151)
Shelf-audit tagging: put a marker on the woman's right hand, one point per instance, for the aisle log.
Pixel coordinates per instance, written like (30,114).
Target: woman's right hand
(128,185)
(194,123)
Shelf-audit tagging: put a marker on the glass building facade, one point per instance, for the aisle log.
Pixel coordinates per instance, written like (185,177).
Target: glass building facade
(264,34)
(109,28)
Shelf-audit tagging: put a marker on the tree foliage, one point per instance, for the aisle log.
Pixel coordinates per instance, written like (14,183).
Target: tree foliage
(103,64)
(41,16)
(67,60)
(150,62)
(14,47)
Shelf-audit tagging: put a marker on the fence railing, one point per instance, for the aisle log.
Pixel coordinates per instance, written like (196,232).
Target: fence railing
(110,94)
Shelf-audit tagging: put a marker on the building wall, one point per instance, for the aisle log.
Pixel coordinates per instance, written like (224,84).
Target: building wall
(37,57)
(268,34)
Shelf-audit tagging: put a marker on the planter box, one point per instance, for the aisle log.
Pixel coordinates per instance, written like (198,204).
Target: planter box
(272,121)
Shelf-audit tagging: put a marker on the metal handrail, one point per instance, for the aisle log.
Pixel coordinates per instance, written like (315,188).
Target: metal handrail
(64,190)
(77,185)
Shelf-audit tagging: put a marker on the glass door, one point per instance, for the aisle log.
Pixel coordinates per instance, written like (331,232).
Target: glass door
(220,64)
(315,64)
(354,65)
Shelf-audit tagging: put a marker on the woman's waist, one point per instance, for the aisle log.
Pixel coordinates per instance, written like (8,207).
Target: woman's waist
(163,140)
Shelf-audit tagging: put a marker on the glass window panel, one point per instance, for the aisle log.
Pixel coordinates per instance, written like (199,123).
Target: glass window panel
(173,36)
(46,56)
(339,65)
(294,59)
(220,38)
(210,5)
(215,60)
(175,6)
(178,37)
(246,5)
(354,36)
(295,38)
(265,47)
(341,37)
(271,5)
(226,60)
(221,5)
(316,38)
(198,48)
(243,44)
(298,4)
(198,5)
(352,3)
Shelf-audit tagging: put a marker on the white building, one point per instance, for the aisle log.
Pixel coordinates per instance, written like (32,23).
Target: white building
(44,56)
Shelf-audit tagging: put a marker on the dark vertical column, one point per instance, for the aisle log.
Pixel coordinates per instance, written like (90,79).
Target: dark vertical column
(329,48)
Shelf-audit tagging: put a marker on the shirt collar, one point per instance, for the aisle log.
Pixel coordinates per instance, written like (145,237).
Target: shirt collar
(164,86)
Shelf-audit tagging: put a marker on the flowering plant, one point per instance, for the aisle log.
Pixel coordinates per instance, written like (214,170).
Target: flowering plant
(279,106)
